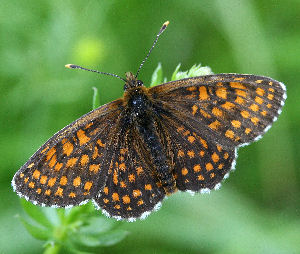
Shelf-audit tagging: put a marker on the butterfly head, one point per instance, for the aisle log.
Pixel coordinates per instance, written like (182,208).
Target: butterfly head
(132,81)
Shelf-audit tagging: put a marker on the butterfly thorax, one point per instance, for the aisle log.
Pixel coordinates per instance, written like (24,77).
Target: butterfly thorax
(141,117)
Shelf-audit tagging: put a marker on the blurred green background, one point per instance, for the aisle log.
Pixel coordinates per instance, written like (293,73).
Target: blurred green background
(257,209)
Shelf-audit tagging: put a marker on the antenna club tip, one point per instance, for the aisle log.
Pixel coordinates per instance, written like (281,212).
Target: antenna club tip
(166,23)
(70,66)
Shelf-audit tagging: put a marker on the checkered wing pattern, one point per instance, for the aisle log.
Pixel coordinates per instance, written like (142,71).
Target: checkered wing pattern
(230,109)
(70,167)
(132,190)
(199,162)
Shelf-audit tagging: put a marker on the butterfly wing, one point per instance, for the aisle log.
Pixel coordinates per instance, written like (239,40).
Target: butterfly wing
(232,109)
(131,190)
(70,167)
(208,117)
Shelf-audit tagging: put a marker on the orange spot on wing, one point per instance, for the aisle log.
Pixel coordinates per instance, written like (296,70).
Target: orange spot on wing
(254,120)
(180,153)
(43,179)
(48,192)
(72,195)
(209,166)
(203,142)
(71,162)
(83,139)
(260,91)
(136,193)
(115,177)
(217,112)
(88,125)
(201,153)
(184,171)
(94,168)
(139,170)
(239,100)
(270,96)
(88,186)
(67,148)
(215,157)
(200,177)
(63,180)
(140,202)
(245,114)
(131,178)
(122,166)
(38,191)
(115,196)
(197,168)
(191,154)
(194,108)
(26,179)
(191,139)
(229,134)
(259,100)
(126,199)
(31,165)
(95,153)
(59,192)
(247,130)
(236,123)
(203,93)
(228,105)
(77,181)
(50,153)
(52,161)
(237,85)
(31,185)
(58,166)
(148,187)
(214,125)
(263,113)
(99,142)
(123,184)
(221,92)
(51,181)
(36,174)
(105,190)
(205,114)
(84,159)
(254,107)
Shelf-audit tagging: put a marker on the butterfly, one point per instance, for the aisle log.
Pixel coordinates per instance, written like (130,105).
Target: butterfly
(128,155)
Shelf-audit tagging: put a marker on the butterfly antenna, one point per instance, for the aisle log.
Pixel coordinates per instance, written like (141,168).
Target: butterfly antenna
(163,28)
(73,66)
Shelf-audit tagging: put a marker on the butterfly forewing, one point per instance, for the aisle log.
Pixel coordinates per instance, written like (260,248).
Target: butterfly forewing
(71,166)
(230,109)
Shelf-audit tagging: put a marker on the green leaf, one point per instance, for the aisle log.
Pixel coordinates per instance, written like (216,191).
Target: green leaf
(98,225)
(37,232)
(101,240)
(175,72)
(157,76)
(96,98)
(194,71)
(36,214)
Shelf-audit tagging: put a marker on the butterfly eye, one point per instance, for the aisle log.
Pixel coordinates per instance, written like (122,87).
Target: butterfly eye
(139,83)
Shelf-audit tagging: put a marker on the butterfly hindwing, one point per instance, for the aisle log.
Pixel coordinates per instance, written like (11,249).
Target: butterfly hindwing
(70,167)
(199,163)
(132,189)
